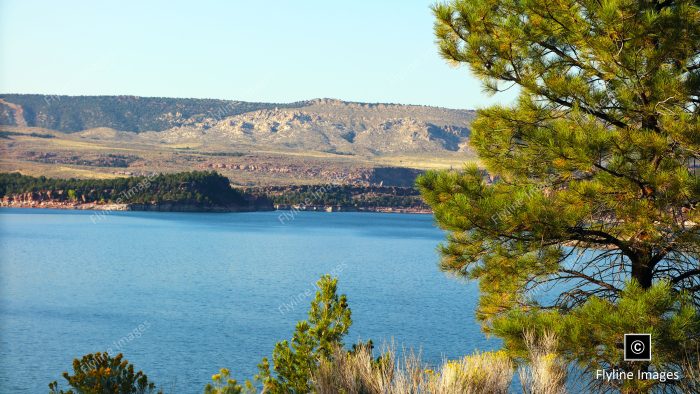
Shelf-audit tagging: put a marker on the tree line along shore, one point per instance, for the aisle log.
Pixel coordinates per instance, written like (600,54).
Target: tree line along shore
(199,191)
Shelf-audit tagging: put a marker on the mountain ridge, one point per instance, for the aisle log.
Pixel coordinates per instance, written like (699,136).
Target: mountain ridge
(322,125)
(37,114)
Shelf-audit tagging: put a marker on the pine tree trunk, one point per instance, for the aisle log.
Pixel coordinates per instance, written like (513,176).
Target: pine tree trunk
(642,269)
(642,273)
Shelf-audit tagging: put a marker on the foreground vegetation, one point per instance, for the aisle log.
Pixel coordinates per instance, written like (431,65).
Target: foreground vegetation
(100,373)
(317,360)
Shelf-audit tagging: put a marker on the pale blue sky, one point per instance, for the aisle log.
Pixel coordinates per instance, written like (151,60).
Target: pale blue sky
(275,51)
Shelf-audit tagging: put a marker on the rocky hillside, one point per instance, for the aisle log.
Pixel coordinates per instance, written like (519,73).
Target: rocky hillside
(323,125)
(336,126)
(126,113)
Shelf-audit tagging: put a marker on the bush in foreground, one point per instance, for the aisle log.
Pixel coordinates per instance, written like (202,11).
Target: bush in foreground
(317,361)
(99,373)
(224,384)
(313,341)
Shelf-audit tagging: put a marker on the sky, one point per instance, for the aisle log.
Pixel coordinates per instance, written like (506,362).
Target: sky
(269,51)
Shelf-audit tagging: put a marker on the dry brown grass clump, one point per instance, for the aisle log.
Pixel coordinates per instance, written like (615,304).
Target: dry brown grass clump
(546,372)
(488,372)
(359,373)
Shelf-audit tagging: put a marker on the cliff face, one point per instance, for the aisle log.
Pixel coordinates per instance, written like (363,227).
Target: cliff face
(54,199)
(33,198)
(387,176)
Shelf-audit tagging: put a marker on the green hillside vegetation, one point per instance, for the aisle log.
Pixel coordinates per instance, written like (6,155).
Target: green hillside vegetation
(344,196)
(201,188)
(127,113)
(206,188)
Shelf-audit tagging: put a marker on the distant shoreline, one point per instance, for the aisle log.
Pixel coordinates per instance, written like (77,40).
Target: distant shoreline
(167,207)
(200,191)
(163,207)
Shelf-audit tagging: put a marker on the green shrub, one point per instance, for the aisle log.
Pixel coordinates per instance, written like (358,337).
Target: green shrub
(223,384)
(313,340)
(99,373)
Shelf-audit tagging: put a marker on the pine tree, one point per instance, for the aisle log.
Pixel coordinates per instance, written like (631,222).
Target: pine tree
(314,340)
(592,172)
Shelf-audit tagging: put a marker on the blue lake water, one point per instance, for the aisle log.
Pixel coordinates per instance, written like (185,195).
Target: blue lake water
(198,292)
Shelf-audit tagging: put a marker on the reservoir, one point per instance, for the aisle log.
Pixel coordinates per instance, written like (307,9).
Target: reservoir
(182,295)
